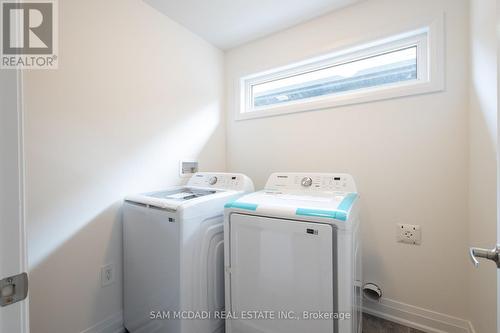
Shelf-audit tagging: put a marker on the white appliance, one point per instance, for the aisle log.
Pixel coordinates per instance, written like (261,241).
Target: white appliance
(174,254)
(292,256)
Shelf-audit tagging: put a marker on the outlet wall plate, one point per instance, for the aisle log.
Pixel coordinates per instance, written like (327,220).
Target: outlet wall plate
(107,275)
(409,234)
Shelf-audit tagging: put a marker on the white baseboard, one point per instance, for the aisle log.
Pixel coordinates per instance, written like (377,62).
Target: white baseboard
(112,324)
(412,316)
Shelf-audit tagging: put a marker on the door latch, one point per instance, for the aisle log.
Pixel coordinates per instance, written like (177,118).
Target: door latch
(493,254)
(13,289)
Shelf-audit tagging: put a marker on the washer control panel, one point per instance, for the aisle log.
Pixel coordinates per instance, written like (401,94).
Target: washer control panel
(223,181)
(311,182)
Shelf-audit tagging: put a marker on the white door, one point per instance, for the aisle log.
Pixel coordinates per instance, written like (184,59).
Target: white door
(13,314)
(492,254)
(498,162)
(283,267)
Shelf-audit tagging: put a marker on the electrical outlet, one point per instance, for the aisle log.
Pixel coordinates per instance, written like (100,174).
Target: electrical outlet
(409,234)
(107,275)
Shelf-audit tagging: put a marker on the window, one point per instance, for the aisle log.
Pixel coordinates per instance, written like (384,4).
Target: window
(393,67)
(377,70)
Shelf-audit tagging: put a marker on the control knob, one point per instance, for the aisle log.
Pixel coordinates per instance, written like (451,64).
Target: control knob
(212,180)
(306,181)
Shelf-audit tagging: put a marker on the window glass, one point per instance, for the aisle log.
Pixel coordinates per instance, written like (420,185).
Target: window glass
(390,67)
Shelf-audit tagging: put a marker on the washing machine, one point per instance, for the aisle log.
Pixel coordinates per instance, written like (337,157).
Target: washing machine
(174,255)
(292,256)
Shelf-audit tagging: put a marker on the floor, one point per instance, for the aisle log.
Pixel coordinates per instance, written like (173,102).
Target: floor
(373,324)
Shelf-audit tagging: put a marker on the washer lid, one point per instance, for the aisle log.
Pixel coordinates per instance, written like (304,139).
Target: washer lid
(203,186)
(171,198)
(181,194)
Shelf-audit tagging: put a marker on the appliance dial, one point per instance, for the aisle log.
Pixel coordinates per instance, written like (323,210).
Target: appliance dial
(212,180)
(306,181)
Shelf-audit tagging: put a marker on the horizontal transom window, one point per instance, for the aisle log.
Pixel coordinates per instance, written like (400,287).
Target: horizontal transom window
(393,67)
(378,70)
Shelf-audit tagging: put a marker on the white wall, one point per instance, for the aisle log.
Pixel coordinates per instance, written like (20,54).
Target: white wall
(134,93)
(483,159)
(409,155)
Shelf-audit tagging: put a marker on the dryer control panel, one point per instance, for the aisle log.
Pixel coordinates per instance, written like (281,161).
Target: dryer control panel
(221,181)
(310,182)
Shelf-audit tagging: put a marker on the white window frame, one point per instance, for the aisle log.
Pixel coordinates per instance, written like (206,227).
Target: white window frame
(430,73)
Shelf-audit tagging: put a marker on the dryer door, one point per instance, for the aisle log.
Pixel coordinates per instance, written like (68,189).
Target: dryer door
(283,267)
